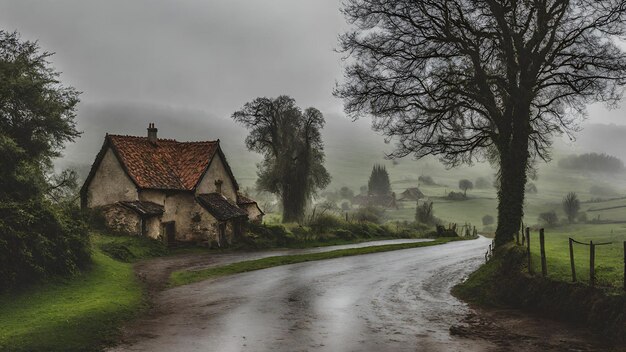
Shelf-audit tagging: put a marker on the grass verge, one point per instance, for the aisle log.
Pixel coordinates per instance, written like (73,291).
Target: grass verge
(80,313)
(185,277)
(503,282)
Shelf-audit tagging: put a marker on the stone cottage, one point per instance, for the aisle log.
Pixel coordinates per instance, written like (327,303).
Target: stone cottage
(162,188)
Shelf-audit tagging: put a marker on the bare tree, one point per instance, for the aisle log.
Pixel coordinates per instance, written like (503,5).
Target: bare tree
(571,206)
(471,80)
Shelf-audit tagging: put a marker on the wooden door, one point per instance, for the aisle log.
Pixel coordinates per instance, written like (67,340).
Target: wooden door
(222,233)
(170,232)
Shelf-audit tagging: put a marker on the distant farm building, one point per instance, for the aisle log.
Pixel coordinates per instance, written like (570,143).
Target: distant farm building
(162,188)
(411,194)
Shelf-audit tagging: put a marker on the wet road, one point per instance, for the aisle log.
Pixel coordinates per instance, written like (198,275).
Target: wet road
(392,301)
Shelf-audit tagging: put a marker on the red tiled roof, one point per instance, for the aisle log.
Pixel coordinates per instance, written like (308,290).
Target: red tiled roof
(166,164)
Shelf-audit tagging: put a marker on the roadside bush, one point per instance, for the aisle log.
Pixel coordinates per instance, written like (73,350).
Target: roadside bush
(582,217)
(369,214)
(344,234)
(441,231)
(302,233)
(270,235)
(39,240)
(325,222)
(488,220)
(549,218)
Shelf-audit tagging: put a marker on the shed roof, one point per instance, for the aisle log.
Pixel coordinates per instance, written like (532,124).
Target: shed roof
(220,207)
(143,208)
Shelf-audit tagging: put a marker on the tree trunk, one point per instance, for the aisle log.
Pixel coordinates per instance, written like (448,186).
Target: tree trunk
(291,207)
(513,162)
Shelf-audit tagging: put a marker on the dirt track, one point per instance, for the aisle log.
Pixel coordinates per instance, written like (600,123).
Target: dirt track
(392,301)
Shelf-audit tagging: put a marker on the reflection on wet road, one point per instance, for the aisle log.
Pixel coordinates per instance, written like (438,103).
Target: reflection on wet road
(396,301)
(391,301)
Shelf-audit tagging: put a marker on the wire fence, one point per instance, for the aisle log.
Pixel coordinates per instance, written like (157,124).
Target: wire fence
(524,239)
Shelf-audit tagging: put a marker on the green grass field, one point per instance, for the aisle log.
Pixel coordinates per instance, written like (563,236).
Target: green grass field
(609,261)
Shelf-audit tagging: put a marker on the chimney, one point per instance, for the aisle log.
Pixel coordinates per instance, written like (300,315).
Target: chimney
(152,133)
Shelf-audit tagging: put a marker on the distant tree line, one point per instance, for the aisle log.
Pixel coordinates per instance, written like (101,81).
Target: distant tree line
(592,162)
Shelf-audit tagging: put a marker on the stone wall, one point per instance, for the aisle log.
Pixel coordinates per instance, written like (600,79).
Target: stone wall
(254,214)
(121,220)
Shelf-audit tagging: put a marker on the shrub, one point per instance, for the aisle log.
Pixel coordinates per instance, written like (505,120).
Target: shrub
(441,231)
(549,218)
(424,213)
(345,206)
(39,240)
(270,235)
(301,233)
(488,220)
(344,234)
(426,180)
(582,217)
(325,222)
(456,196)
(369,213)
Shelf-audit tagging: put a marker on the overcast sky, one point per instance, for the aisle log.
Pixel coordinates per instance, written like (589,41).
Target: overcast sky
(210,56)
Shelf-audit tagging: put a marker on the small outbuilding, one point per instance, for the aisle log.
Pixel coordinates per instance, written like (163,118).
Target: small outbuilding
(411,194)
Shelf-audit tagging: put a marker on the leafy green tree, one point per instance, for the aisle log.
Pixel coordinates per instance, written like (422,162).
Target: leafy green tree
(464,185)
(291,142)
(471,80)
(346,193)
(424,213)
(378,183)
(41,232)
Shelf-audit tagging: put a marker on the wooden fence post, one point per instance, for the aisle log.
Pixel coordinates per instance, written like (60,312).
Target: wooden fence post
(542,245)
(530,268)
(571,259)
(592,262)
